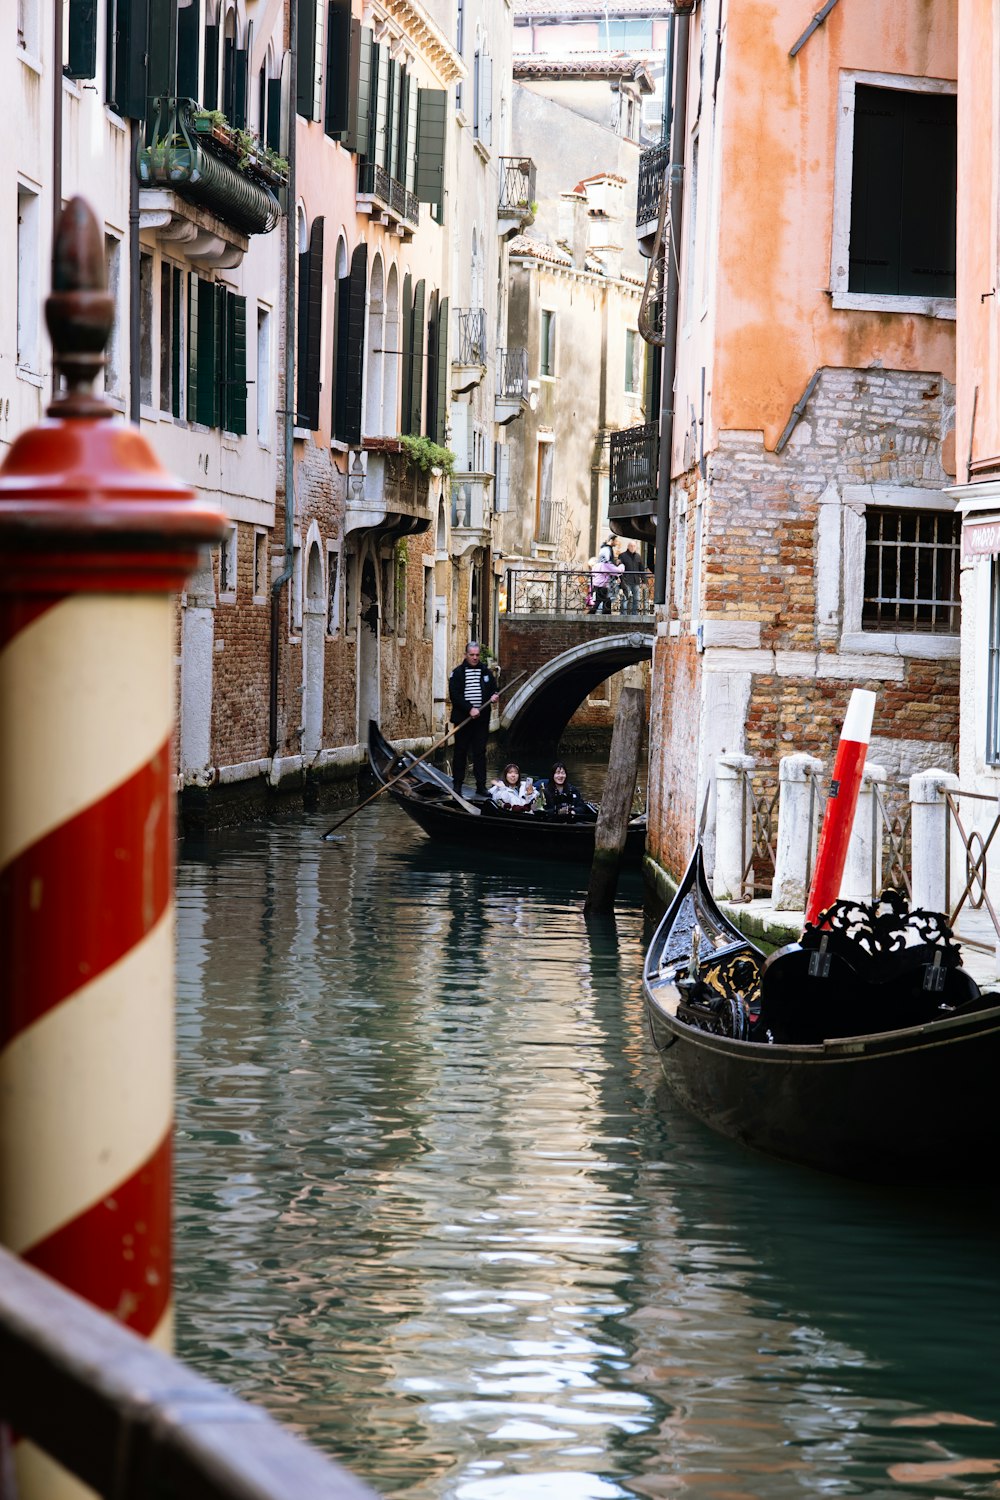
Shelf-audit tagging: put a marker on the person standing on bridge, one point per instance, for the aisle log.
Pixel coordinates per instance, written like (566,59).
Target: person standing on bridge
(472,689)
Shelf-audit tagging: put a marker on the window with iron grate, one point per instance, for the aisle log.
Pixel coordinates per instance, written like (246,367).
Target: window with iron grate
(911,571)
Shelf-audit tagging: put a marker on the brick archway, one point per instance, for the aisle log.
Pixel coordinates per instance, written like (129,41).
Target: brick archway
(540,708)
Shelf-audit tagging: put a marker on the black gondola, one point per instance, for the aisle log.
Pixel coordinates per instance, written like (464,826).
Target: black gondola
(865,1049)
(426,795)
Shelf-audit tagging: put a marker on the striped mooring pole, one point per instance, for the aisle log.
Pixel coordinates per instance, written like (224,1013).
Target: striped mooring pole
(95,538)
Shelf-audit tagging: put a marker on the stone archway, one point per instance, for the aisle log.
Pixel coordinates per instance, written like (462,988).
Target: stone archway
(542,706)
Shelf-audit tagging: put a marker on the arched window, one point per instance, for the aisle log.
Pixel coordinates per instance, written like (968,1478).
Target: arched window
(390,375)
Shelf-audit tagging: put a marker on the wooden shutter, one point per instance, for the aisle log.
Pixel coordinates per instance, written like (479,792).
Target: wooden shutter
(411,138)
(161,58)
(192,348)
(380,70)
(336,114)
(407,352)
(364,94)
(310,327)
(82,39)
(274,114)
(354,383)
(176,289)
(417,359)
(188,38)
(305,81)
(431,114)
(206,350)
(402,154)
(340,359)
(501,484)
(430,424)
(210,90)
(234,363)
(391,116)
(241,87)
(439,431)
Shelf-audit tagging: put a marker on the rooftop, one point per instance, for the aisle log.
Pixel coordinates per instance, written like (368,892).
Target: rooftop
(584,65)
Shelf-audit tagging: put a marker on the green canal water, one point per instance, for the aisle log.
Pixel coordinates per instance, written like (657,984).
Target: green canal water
(436,1211)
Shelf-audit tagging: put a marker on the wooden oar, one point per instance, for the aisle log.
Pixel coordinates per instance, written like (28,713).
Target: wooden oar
(416,761)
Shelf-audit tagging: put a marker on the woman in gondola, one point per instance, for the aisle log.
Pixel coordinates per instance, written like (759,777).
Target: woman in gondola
(559,798)
(510,793)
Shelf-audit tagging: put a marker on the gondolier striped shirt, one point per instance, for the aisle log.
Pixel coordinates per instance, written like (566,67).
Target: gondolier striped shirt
(474,687)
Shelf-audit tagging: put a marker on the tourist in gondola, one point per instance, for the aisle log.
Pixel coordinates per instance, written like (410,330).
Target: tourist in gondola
(511,793)
(559,798)
(472,689)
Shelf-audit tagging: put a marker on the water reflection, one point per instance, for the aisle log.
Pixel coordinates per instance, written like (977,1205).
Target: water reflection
(435,1211)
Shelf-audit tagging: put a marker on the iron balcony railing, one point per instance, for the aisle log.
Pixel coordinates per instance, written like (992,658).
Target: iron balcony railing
(471,336)
(633,462)
(512,374)
(517,188)
(207,169)
(569,591)
(374,182)
(652,172)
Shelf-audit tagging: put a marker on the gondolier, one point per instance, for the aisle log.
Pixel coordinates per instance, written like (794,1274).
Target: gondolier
(472,689)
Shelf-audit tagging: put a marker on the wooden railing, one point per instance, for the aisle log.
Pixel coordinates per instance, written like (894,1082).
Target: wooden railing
(130,1421)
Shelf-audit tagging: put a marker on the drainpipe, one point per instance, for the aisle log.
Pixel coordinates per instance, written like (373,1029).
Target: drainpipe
(134,355)
(680,28)
(57,139)
(283,577)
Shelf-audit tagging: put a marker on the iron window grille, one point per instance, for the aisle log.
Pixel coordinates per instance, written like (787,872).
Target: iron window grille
(912,571)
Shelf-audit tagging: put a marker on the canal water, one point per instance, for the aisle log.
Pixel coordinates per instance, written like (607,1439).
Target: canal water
(435,1210)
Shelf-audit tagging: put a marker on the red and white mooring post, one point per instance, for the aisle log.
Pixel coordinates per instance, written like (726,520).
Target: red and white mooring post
(838,820)
(95,538)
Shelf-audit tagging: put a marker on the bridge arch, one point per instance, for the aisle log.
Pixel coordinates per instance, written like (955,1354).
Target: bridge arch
(539,709)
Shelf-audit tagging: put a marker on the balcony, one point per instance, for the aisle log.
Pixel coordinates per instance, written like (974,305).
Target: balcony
(470,512)
(385,492)
(386,201)
(653,164)
(516,206)
(634,468)
(206,188)
(512,385)
(469,365)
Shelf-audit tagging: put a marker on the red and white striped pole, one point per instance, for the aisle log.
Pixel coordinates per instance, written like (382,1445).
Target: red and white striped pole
(838,820)
(94,539)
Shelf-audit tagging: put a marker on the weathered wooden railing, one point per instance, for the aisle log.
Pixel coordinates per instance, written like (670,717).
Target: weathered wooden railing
(131,1422)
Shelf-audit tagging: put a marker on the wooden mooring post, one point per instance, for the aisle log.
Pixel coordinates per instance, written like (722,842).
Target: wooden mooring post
(616,802)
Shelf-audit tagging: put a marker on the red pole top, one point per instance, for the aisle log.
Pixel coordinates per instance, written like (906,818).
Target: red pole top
(84,503)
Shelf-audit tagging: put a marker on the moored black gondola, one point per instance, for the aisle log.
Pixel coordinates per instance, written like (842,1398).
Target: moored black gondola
(865,1049)
(425,794)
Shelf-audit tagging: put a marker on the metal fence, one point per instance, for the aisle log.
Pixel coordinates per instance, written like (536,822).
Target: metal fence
(567,591)
(975,838)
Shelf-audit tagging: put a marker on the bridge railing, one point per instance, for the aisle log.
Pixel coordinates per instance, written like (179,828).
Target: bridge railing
(567,591)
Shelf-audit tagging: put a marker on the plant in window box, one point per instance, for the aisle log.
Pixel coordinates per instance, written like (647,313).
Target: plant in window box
(427,456)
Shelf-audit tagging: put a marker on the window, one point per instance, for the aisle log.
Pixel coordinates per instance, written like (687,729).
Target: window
(893,242)
(171,323)
(482,99)
(547,347)
(264,375)
(993,670)
(633,365)
(27,279)
(260,559)
(543,490)
(216,356)
(227,563)
(911,571)
(113,352)
(145,329)
(332,592)
(310,326)
(28,16)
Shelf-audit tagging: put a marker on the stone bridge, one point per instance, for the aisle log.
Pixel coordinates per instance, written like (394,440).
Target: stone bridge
(566,657)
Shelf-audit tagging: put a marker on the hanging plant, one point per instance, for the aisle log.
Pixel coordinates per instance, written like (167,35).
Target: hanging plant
(426,455)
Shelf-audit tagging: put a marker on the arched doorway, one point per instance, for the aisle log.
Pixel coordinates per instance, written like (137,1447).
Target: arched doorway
(313,620)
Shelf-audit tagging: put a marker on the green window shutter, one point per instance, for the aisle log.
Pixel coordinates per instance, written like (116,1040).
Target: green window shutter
(207,406)
(242,81)
(417,359)
(380,69)
(234,391)
(340,359)
(440,427)
(177,288)
(430,424)
(310,327)
(411,138)
(431,117)
(161,62)
(192,349)
(349,135)
(407,353)
(402,128)
(305,82)
(229,78)
(338,68)
(274,114)
(82,39)
(210,89)
(354,383)
(366,58)
(188,49)
(128,88)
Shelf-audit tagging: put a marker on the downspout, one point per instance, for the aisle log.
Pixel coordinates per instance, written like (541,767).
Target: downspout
(134,330)
(681,25)
(283,577)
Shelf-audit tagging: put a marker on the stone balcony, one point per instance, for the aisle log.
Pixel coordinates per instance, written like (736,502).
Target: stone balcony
(470,513)
(385,492)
